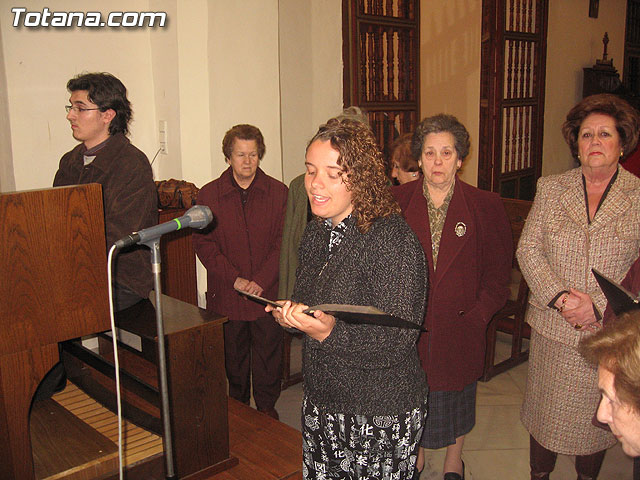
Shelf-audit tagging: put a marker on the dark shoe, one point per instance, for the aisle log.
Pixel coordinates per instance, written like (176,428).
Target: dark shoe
(541,460)
(454,475)
(416,474)
(272,412)
(588,466)
(54,382)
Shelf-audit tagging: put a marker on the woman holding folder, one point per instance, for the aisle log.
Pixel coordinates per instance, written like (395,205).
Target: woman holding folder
(365,394)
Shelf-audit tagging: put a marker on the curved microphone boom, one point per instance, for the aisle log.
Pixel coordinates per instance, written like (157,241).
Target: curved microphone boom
(196,217)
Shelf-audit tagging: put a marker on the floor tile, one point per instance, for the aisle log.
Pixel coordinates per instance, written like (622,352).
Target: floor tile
(616,466)
(519,375)
(497,427)
(497,464)
(433,462)
(500,390)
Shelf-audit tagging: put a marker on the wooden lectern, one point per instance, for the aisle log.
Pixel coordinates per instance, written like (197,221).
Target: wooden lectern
(53,287)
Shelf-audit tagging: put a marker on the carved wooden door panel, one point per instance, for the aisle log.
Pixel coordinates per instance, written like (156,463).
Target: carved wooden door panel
(381,41)
(631,75)
(514,46)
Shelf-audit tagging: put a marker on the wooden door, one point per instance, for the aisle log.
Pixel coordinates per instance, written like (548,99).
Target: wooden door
(381,42)
(631,75)
(513,64)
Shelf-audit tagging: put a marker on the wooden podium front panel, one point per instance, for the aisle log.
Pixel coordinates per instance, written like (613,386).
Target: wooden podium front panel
(53,275)
(53,287)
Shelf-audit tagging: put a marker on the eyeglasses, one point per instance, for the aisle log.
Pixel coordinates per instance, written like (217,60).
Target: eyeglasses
(77,109)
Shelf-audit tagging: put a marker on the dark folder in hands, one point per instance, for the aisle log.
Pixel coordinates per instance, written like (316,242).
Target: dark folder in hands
(354,314)
(620,299)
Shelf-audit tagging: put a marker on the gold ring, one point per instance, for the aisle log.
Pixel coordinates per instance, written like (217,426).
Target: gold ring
(577,326)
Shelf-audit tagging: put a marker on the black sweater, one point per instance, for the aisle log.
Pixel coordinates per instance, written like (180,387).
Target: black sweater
(365,369)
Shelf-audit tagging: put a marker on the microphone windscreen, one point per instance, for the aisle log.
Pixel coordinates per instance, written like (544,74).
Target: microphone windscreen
(199,216)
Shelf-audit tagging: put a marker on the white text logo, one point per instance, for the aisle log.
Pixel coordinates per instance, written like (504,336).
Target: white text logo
(47,18)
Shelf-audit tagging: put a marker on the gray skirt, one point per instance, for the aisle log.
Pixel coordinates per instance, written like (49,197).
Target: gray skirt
(451,415)
(561,399)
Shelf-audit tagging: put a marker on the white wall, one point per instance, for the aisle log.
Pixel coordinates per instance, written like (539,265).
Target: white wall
(38,63)
(165,54)
(244,77)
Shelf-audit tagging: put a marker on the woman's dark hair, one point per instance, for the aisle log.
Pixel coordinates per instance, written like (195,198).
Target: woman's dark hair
(363,169)
(243,132)
(438,124)
(107,92)
(625,116)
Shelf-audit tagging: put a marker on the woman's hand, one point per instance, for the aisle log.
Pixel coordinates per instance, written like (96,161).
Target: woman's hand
(578,311)
(248,286)
(317,326)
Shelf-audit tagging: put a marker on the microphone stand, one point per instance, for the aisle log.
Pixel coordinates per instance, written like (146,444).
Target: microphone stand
(154,245)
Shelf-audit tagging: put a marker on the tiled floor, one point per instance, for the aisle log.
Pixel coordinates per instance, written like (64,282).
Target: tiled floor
(498,447)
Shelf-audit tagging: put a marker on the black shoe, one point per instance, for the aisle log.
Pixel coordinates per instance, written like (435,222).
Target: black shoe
(416,474)
(54,382)
(454,475)
(270,412)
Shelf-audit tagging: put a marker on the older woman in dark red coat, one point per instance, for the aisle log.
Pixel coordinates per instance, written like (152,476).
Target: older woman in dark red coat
(466,238)
(242,250)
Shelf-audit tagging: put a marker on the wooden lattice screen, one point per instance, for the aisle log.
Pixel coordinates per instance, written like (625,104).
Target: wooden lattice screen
(512,96)
(631,77)
(381,40)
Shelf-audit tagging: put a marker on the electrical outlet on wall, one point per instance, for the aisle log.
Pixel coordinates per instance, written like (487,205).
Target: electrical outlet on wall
(162,137)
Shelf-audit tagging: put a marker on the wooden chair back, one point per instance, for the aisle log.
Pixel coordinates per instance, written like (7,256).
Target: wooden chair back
(510,318)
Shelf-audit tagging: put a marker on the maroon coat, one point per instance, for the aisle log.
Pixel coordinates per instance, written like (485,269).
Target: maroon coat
(242,242)
(469,285)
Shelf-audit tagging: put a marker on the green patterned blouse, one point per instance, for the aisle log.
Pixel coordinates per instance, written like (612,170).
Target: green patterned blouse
(437,216)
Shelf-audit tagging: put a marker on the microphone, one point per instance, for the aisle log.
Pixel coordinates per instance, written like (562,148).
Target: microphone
(198,216)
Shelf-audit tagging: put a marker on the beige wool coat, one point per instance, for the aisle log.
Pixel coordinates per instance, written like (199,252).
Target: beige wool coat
(557,250)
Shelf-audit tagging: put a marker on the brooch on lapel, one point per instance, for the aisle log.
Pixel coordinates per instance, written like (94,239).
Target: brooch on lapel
(460,229)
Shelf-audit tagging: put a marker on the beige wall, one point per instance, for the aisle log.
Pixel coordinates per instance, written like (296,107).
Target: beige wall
(243,69)
(276,64)
(450,67)
(574,41)
(310,74)
(7,179)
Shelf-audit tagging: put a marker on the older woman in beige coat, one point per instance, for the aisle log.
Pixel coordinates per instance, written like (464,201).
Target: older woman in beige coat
(588,217)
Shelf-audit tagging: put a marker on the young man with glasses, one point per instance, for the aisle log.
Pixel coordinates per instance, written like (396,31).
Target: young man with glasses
(99,113)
